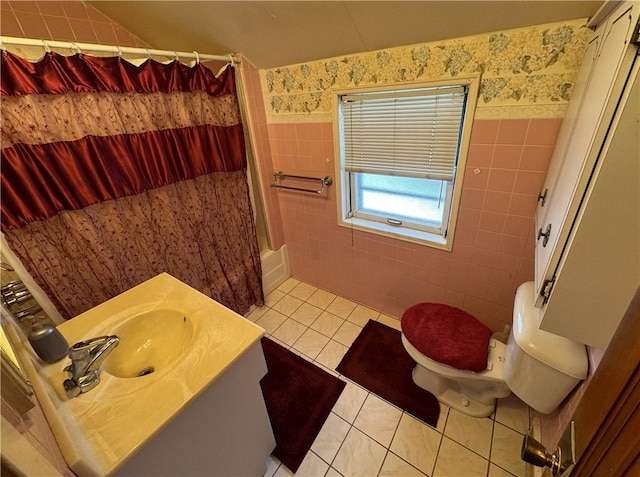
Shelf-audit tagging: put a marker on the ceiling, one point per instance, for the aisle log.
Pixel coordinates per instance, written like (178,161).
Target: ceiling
(279,33)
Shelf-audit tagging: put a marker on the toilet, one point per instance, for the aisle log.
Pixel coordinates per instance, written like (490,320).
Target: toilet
(450,347)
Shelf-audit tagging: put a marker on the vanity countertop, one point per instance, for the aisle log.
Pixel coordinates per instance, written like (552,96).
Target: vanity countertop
(99,430)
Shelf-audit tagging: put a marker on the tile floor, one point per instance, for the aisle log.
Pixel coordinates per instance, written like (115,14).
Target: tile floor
(366,436)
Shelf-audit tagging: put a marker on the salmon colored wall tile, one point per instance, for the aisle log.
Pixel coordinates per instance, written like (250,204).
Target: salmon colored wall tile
(83,30)
(543,132)
(512,131)
(51,8)
(501,180)
(29,7)
(59,28)
(64,21)
(506,156)
(536,158)
(495,201)
(480,155)
(523,204)
(485,132)
(9,24)
(34,24)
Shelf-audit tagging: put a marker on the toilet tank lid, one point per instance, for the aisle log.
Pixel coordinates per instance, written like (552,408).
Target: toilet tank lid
(557,352)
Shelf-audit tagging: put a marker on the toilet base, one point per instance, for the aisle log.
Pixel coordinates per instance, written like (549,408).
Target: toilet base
(450,393)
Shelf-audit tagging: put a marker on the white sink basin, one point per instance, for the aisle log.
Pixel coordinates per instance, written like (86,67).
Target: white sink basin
(149,343)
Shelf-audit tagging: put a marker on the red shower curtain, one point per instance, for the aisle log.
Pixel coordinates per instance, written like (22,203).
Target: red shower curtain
(112,173)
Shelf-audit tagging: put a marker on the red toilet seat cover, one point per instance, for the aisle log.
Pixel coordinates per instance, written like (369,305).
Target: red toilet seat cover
(448,335)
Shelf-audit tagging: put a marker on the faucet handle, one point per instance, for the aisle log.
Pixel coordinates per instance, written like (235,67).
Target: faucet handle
(71,389)
(82,349)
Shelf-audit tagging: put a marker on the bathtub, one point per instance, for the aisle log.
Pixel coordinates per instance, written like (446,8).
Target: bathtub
(275,268)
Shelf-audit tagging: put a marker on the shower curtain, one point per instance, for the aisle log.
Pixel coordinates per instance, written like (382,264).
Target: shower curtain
(113,173)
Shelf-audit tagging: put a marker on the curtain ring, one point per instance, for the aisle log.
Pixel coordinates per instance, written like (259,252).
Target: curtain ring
(197,57)
(148,54)
(177,56)
(47,48)
(75,45)
(119,52)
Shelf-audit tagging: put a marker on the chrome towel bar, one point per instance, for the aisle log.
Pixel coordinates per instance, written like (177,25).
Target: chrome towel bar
(280,176)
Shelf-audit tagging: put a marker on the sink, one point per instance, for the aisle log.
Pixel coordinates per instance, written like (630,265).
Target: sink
(177,348)
(149,343)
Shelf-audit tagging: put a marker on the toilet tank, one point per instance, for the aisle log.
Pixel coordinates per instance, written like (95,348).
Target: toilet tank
(540,368)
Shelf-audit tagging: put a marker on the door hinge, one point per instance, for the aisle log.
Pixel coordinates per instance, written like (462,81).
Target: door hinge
(542,197)
(547,286)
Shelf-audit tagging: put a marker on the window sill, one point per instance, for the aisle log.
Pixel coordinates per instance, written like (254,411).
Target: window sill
(407,235)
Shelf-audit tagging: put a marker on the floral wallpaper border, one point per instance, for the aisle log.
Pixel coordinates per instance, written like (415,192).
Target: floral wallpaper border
(526,72)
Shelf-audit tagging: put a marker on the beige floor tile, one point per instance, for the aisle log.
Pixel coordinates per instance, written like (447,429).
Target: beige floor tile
(272,465)
(442,418)
(455,460)
(350,402)
(288,285)
(359,455)
(513,413)
(271,320)
(472,432)
(331,354)
(378,419)
(321,299)
(390,321)
(303,291)
(311,343)
(306,314)
(330,437)
(287,305)
(257,313)
(289,331)
(347,333)
(505,450)
(274,297)
(312,466)
(361,314)
(327,324)
(394,466)
(416,443)
(495,471)
(341,307)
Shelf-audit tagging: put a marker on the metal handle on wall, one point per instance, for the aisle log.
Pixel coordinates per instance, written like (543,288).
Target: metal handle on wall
(280,176)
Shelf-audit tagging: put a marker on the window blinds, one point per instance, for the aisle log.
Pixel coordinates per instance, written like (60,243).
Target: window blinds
(412,133)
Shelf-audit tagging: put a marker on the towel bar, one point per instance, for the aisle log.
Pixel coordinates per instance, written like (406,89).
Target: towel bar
(324,181)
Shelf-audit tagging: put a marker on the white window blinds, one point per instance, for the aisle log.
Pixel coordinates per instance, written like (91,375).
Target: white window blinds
(412,133)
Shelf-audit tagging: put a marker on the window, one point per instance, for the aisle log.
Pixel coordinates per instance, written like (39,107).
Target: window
(400,150)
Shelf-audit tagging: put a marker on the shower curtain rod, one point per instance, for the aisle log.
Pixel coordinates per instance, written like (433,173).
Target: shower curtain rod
(80,47)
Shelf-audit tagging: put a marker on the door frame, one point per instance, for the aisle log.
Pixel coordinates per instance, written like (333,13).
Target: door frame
(607,418)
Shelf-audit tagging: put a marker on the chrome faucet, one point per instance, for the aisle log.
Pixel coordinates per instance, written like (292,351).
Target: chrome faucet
(86,358)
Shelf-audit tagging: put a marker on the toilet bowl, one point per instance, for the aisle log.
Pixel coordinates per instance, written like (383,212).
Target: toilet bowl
(538,367)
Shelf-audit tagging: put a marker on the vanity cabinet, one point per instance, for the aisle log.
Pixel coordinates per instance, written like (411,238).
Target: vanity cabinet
(224,432)
(588,217)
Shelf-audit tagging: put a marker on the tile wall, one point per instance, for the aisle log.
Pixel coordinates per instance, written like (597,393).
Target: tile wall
(260,139)
(63,21)
(493,247)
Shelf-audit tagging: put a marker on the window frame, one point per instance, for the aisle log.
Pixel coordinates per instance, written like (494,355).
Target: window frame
(442,241)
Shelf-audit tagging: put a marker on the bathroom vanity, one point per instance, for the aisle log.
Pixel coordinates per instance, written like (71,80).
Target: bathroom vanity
(194,407)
